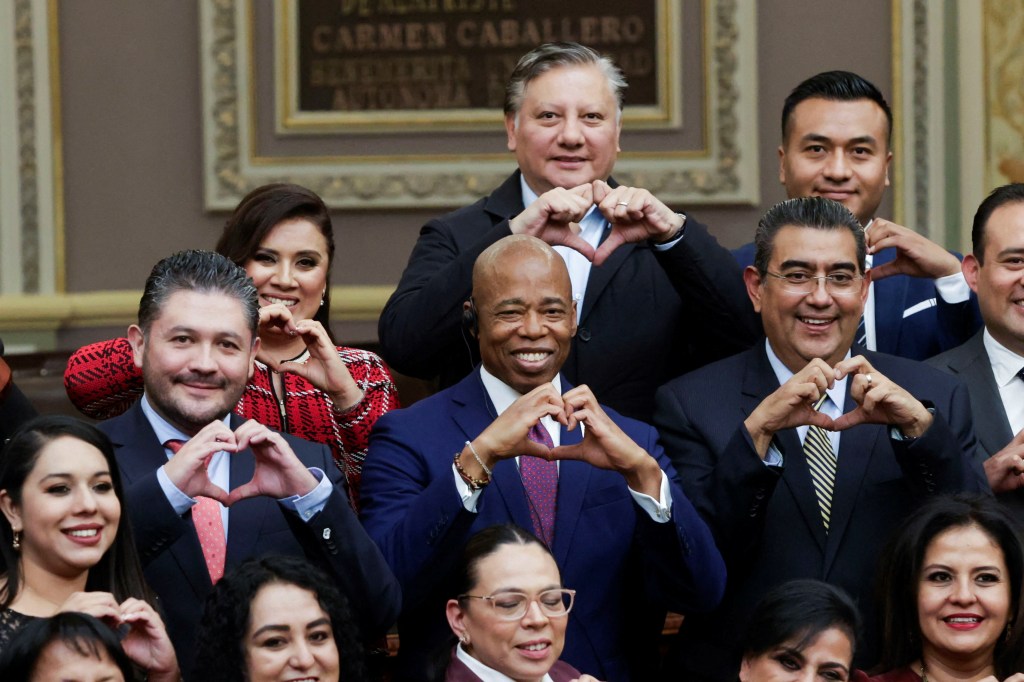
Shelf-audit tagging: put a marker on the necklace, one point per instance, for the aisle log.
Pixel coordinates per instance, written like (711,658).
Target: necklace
(924,674)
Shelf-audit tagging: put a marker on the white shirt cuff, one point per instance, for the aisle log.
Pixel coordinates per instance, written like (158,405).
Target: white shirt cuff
(180,502)
(312,503)
(659,510)
(468,495)
(953,288)
(774,456)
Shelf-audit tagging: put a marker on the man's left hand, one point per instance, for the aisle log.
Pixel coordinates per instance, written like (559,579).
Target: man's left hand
(916,255)
(605,446)
(635,215)
(278,473)
(880,400)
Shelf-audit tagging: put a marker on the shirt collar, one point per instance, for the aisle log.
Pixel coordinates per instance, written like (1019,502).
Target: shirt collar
(163,429)
(529,196)
(837,394)
(1005,363)
(502,395)
(485,673)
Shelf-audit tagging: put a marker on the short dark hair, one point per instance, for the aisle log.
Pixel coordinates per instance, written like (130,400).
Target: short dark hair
(263,209)
(221,654)
(1000,196)
(837,86)
(549,56)
(118,570)
(201,271)
(81,633)
(899,572)
(814,212)
(799,611)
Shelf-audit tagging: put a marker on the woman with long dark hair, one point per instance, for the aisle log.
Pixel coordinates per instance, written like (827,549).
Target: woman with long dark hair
(65,541)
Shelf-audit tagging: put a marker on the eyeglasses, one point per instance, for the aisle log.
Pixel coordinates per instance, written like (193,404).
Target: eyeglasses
(514,605)
(836,284)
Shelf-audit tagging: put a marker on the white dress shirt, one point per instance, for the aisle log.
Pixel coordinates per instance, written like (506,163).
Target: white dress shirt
(1005,365)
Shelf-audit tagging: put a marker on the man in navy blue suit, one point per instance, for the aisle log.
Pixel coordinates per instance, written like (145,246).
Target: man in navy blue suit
(206,490)
(622,532)
(836,137)
(806,451)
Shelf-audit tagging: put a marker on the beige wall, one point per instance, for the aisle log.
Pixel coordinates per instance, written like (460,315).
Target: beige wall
(132,138)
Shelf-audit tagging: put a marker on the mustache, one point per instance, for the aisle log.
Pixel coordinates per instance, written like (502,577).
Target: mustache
(200,380)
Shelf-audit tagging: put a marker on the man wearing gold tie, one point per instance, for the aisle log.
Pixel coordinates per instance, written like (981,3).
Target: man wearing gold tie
(804,452)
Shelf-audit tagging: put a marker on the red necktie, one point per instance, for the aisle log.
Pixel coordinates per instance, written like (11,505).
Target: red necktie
(540,480)
(209,527)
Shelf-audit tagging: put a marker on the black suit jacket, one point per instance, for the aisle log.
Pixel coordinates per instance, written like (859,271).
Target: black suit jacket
(173,559)
(767,522)
(970,362)
(647,315)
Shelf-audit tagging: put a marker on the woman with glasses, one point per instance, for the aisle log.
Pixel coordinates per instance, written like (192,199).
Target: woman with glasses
(510,611)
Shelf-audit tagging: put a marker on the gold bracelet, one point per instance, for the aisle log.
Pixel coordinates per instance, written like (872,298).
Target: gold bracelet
(473,483)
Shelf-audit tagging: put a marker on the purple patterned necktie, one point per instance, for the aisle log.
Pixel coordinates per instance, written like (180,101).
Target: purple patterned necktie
(540,480)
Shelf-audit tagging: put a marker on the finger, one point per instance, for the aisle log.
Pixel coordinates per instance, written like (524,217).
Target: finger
(587,191)
(821,420)
(567,452)
(614,241)
(577,243)
(855,364)
(599,190)
(242,492)
(277,316)
(885,270)
(852,418)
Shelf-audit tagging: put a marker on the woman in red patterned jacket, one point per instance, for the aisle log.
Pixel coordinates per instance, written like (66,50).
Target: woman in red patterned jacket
(304,383)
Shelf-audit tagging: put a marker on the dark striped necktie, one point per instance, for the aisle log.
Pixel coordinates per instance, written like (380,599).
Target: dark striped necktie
(821,461)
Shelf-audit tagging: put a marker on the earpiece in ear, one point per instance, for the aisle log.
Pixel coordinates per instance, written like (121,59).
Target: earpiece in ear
(470,322)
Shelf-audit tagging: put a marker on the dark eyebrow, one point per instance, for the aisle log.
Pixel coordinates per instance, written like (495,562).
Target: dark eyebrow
(832,665)
(509,301)
(1012,251)
(818,137)
(61,474)
(271,628)
(305,252)
(793,263)
(553,299)
(318,622)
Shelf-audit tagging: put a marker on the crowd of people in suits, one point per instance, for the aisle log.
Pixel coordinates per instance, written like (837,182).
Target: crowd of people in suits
(631,420)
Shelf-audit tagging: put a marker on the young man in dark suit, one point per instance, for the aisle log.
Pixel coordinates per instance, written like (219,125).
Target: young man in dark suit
(206,489)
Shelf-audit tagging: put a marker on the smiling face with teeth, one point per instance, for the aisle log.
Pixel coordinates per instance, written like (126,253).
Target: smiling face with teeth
(68,512)
(999,277)
(526,315)
(523,649)
(963,598)
(801,327)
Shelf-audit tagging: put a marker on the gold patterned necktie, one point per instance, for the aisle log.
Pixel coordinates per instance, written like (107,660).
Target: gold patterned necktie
(821,461)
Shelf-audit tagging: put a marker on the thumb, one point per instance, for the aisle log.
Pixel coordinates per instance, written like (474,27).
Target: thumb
(601,189)
(574,451)
(850,419)
(576,242)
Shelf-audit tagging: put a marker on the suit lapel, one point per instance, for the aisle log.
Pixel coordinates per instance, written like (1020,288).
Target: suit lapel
(140,454)
(760,381)
(573,479)
(600,276)
(246,518)
(889,295)
(975,369)
(472,413)
(506,201)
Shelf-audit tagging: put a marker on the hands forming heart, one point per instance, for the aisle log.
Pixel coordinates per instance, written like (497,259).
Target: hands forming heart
(634,213)
(278,472)
(603,445)
(879,401)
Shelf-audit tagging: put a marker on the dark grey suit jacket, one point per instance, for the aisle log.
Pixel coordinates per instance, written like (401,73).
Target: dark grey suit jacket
(971,364)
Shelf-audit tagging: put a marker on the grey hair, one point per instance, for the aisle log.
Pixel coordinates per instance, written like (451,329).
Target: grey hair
(549,56)
(201,271)
(814,212)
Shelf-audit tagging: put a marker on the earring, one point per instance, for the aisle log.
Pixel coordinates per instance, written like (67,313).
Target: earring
(1009,630)
(323,297)
(16,543)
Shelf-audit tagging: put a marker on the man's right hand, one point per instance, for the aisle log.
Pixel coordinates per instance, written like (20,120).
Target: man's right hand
(1005,469)
(508,435)
(791,405)
(554,217)
(186,469)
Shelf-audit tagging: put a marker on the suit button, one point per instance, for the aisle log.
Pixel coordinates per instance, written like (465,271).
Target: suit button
(583,334)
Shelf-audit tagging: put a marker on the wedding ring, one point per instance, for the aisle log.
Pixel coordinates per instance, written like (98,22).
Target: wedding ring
(868,377)
(622,203)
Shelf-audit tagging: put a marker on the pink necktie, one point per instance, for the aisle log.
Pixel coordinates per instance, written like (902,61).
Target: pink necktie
(540,480)
(209,527)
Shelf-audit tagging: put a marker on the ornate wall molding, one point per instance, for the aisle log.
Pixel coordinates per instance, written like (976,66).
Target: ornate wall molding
(31,206)
(725,171)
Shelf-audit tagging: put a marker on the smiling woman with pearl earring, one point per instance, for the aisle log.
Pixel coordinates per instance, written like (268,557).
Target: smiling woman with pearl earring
(304,384)
(65,542)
